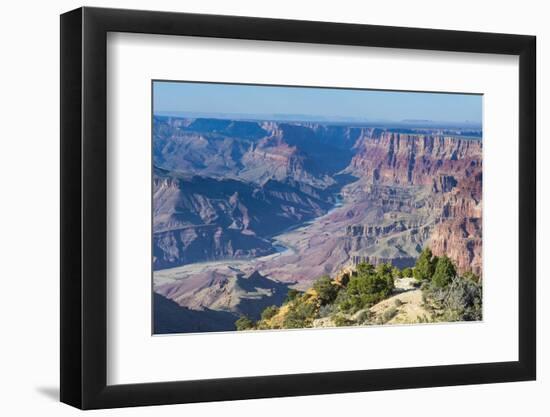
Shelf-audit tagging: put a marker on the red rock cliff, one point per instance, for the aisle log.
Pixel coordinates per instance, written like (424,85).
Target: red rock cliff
(452,169)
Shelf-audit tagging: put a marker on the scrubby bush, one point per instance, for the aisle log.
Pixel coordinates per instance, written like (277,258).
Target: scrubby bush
(369,286)
(396,273)
(389,314)
(464,298)
(397,302)
(291,295)
(325,290)
(365,268)
(425,299)
(269,312)
(301,314)
(364,317)
(469,275)
(244,323)
(424,319)
(459,300)
(326,310)
(342,321)
(407,272)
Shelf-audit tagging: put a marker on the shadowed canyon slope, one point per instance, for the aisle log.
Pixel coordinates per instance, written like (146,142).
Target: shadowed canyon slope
(243,210)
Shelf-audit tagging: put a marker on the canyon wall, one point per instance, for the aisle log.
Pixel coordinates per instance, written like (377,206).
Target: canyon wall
(405,159)
(449,167)
(222,189)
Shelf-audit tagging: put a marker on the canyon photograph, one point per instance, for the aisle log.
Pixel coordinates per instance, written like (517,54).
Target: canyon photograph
(280,207)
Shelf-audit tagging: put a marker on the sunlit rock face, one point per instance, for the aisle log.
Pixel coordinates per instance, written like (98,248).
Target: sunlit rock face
(451,167)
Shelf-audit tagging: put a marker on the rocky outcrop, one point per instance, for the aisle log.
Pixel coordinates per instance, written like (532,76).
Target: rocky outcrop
(374,231)
(461,240)
(236,294)
(202,243)
(200,219)
(406,159)
(443,183)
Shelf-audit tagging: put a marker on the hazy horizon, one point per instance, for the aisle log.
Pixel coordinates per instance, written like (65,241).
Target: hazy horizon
(314,103)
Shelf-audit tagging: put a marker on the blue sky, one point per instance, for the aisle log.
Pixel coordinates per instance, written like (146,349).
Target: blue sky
(326,103)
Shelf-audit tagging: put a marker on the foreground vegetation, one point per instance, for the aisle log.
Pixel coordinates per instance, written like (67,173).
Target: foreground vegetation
(350,298)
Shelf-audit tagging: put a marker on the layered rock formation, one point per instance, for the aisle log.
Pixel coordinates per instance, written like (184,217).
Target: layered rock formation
(199,219)
(237,294)
(405,159)
(253,152)
(452,170)
(244,209)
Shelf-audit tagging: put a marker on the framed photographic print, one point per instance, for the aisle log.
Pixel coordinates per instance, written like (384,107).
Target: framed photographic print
(258,208)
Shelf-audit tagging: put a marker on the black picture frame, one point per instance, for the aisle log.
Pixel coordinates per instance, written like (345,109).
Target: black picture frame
(84,207)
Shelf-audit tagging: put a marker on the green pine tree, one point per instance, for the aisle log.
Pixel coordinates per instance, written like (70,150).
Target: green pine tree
(424,268)
(444,272)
